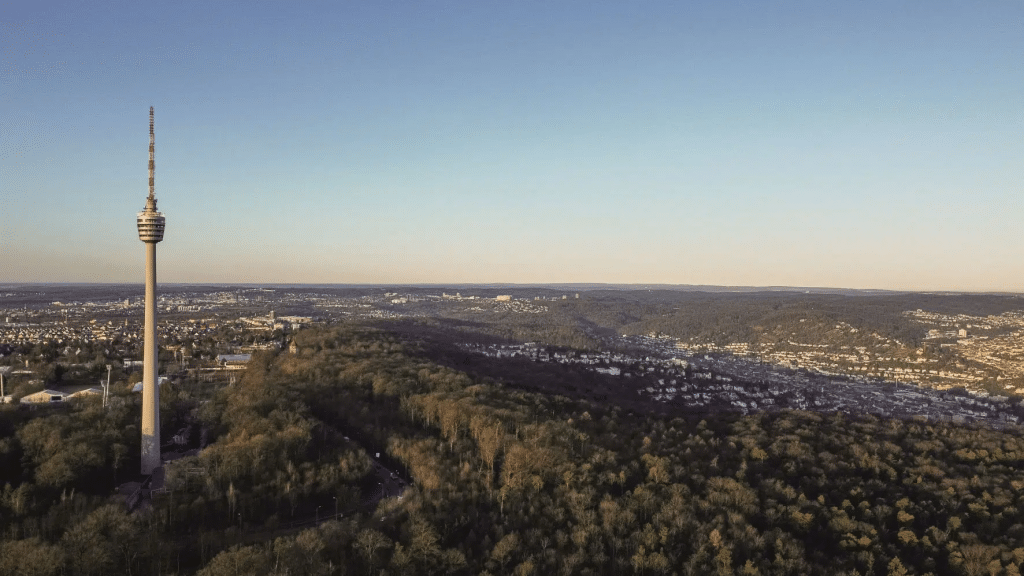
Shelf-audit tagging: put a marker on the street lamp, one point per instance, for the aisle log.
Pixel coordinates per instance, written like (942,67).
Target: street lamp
(106,389)
(318,515)
(335,498)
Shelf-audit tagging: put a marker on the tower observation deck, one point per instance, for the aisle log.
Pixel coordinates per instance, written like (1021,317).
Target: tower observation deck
(151,223)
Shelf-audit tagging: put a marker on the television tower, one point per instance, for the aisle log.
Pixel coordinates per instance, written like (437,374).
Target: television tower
(151,231)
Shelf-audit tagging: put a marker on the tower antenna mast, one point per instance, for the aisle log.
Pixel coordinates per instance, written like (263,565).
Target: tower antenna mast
(152,162)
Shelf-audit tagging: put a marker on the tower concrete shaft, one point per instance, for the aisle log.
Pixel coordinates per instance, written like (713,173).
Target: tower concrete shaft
(150,389)
(151,231)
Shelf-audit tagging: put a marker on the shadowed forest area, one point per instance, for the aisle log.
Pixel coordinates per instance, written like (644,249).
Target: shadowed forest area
(504,480)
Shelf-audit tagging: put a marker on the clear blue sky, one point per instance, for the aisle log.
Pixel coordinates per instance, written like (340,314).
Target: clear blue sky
(842,144)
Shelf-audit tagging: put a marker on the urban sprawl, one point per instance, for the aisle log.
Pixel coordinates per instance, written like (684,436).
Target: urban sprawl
(203,333)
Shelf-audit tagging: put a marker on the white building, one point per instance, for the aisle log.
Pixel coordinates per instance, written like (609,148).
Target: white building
(45,397)
(159,382)
(86,393)
(237,361)
(296,320)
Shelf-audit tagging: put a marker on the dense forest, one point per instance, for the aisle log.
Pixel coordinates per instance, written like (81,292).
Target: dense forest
(503,481)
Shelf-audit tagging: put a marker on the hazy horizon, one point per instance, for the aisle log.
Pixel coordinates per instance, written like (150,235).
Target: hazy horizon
(492,286)
(857,146)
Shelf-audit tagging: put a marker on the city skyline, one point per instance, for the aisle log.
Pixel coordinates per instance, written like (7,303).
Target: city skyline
(798,144)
